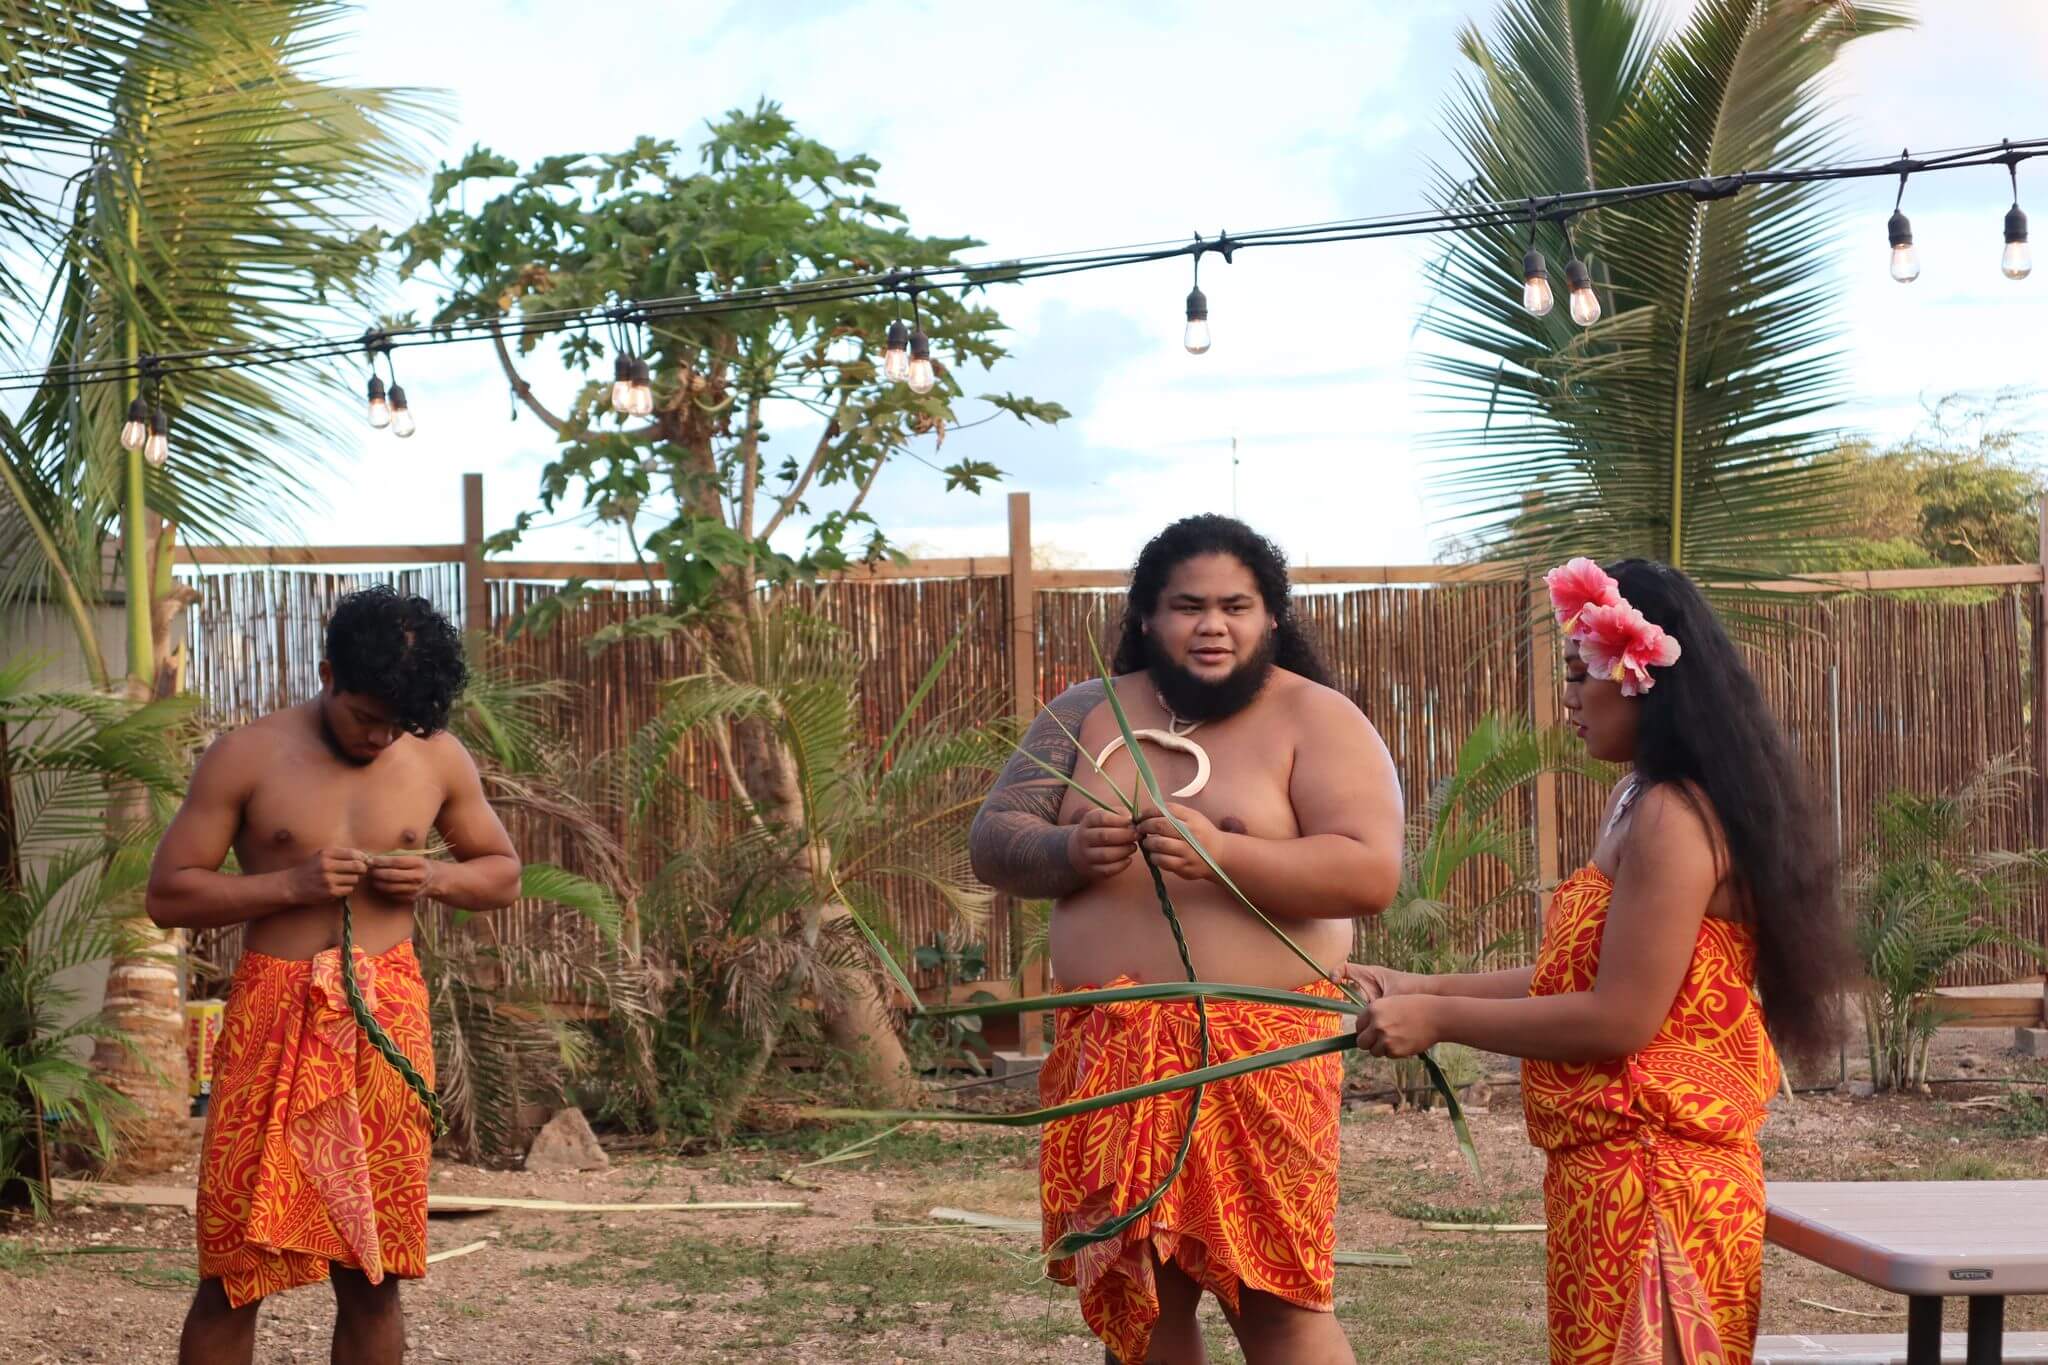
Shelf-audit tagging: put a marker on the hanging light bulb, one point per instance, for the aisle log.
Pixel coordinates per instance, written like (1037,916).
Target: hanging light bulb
(380,407)
(158,449)
(135,431)
(642,389)
(896,353)
(921,377)
(2018,261)
(1899,228)
(1905,256)
(402,424)
(1536,296)
(1585,303)
(1196,338)
(622,384)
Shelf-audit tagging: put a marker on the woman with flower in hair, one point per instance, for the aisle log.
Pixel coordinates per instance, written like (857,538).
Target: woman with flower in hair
(1701,940)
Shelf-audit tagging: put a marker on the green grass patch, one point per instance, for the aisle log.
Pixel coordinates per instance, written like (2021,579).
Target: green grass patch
(917,1144)
(1455,1213)
(539,1237)
(1955,1166)
(930,1283)
(2026,1106)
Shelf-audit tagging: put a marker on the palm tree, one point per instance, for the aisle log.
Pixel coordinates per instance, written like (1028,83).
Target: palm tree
(1684,425)
(758,913)
(68,879)
(500,1034)
(186,179)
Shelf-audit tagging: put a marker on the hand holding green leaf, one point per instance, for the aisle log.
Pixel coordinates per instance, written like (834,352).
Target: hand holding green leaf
(1103,843)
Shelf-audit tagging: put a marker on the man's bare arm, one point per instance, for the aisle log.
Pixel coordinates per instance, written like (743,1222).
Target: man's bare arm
(187,889)
(485,873)
(1017,843)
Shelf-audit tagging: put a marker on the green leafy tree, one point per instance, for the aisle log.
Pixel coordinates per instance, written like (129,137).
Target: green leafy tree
(1965,490)
(1685,423)
(696,484)
(182,177)
(1929,897)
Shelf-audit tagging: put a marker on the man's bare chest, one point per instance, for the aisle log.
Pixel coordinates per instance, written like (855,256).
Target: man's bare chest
(303,807)
(1246,786)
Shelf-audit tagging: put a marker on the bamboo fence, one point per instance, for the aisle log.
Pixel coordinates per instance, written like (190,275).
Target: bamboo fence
(1891,689)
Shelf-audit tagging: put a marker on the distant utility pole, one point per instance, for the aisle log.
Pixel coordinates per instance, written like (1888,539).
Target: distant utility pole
(1233,474)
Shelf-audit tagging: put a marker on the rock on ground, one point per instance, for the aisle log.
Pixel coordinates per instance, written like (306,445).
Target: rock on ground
(565,1143)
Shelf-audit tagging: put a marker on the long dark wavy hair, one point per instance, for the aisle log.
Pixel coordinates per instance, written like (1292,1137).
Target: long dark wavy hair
(1705,730)
(1293,650)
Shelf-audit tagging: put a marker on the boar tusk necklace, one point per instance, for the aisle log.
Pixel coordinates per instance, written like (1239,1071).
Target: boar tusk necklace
(1174,736)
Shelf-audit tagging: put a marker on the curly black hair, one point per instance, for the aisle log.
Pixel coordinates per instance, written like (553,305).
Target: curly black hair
(1293,650)
(1705,730)
(399,651)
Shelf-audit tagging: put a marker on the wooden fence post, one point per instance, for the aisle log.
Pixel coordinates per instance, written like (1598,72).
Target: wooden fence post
(476,594)
(1022,639)
(2040,719)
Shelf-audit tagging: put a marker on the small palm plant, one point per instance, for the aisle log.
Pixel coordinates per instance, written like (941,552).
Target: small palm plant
(1446,903)
(1929,898)
(505,1014)
(754,916)
(67,879)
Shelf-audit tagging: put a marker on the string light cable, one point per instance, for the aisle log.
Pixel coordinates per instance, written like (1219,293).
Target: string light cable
(1510,215)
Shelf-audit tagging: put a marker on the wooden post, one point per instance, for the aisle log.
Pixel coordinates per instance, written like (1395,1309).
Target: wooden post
(1022,640)
(476,593)
(2040,718)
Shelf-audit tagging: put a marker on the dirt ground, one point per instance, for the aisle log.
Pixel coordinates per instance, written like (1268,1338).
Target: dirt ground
(863,1274)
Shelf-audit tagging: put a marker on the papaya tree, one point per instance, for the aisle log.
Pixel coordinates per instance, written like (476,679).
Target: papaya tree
(693,471)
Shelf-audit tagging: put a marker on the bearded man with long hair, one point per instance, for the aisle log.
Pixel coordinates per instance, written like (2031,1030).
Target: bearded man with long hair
(1283,781)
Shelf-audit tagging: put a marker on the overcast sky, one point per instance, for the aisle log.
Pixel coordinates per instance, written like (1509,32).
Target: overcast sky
(1097,124)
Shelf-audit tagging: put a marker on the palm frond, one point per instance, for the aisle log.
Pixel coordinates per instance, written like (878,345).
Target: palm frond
(68,881)
(209,186)
(560,887)
(504,715)
(1929,896)
(639,774)
(1686,425)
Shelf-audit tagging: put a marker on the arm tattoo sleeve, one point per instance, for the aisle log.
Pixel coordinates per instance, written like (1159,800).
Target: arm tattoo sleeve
(1017,843)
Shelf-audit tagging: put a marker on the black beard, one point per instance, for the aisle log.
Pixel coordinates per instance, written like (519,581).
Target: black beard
(1193,698)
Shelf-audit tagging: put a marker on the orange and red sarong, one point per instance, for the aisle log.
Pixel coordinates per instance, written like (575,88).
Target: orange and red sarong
(1654,1192)
(316,1151)
(1254,1208)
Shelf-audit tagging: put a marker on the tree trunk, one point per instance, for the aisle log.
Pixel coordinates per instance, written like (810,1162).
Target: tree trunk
(859,1024)
(145,997)
(146,1003)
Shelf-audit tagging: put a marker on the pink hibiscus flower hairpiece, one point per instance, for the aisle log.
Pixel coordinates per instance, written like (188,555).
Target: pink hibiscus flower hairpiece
(1617,642)
(1577,585)
(1620,644)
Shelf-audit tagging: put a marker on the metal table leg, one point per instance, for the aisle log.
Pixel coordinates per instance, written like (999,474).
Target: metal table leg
(1987,1330)
(1923,1330)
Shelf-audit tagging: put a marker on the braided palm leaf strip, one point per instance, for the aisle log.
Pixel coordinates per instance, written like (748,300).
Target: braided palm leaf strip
(379,1039)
